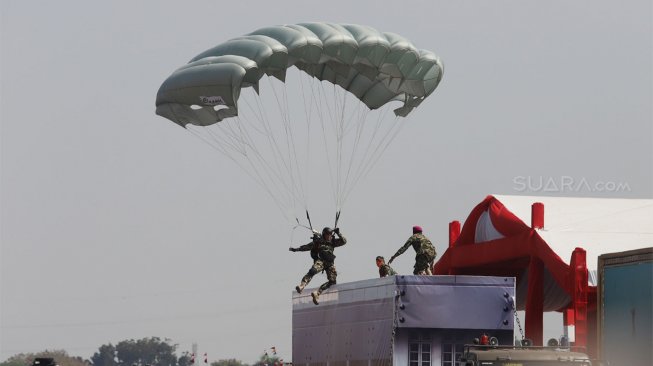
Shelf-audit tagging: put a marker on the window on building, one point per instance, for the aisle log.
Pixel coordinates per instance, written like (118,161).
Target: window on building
(419,350)
(451,353)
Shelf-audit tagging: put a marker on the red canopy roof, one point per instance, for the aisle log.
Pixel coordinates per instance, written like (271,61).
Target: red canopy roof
(495,242)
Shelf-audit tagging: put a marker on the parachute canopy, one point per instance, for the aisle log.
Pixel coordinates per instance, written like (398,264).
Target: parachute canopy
(337,97)
(375,67)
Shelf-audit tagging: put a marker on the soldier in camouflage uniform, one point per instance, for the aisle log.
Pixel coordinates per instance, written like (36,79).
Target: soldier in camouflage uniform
(425,252)
(384,269)
(321,248)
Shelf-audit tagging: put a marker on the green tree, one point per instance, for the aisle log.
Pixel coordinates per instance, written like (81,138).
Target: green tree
(146,351)
(228,362)
(61,357)
(267,360)
(184,359)
(105,356)
(15,360)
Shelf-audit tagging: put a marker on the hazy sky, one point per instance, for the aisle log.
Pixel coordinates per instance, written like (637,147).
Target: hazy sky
(117,224)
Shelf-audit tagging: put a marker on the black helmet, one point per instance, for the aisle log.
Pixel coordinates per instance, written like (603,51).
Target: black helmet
(327,230)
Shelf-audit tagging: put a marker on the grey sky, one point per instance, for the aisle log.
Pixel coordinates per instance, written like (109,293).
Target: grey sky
(117,224)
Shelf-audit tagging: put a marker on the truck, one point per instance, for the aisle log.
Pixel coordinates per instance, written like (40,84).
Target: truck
(44,361)
(400,320)
(494,355)
(625,307)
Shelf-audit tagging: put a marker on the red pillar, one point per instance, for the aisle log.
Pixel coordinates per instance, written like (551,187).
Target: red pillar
(592,347)
(580,288)
(537,215)
(569,323)
(454,232)
(535,302)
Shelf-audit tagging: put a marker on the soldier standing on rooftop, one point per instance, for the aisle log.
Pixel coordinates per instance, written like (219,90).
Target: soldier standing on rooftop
(425,252)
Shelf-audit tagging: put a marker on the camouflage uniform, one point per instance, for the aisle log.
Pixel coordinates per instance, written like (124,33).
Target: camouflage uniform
(425,253)
(323,260)
(385,270)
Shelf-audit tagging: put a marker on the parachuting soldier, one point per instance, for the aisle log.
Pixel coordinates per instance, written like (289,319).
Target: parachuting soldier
(384,269)
(425,252)
(321,248)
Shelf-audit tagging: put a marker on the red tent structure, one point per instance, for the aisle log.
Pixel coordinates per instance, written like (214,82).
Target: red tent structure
(495,242)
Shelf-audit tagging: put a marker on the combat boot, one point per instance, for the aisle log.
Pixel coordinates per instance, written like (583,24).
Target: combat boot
(300,287)
(316,296)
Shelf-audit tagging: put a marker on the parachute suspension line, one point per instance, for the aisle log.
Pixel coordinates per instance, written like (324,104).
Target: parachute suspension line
(335,122)
(354,117)
(360,128)
(293,161)
(256,160)
(391,134)
(221,141)
(340,130)
(351,182)
(256,112)
(260,169)
(370,149)
(348,125)
(330,134)
(257,178)
(225,133)
(289,156)
(302,181)
(274,145)
(388,138)
(319,99)
(367,154)
(278,165)
(208,141)
(308,111)
(354,123)
(260,165)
